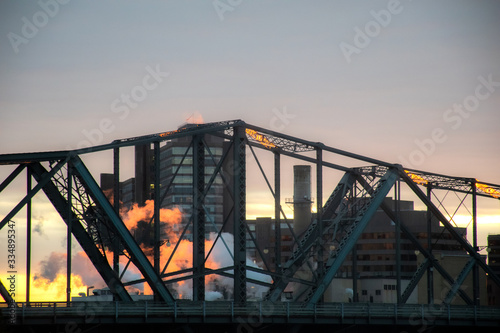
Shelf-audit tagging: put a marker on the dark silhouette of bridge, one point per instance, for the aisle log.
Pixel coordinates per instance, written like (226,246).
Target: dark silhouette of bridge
(320,250)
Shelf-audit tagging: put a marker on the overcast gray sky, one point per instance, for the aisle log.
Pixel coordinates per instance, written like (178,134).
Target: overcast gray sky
(352,76)
(411,82)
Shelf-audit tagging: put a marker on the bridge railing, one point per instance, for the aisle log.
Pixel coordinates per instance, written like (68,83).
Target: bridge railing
(381,313)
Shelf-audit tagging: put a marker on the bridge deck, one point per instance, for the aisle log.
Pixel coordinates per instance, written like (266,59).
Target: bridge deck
(255,312)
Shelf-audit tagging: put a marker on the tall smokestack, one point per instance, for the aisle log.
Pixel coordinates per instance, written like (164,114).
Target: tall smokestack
(301,198)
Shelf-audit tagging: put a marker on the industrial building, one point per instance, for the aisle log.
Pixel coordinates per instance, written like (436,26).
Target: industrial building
(493,251)
(176,178)
(380,266)
(342,264)
(375,254)
(373,262)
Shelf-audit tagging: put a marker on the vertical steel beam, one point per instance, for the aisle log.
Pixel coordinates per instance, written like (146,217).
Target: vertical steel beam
(475,271)
(198,218)
(277,210)
(239,190)
(355,297)
(430,269)
(28,237)
(354,274)
(156,232)
(116,206)
(397,197)
(319,207)
(69,233)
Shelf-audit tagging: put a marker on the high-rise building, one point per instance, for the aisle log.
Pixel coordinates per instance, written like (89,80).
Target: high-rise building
(126,192)
(263,230)
(144,174)
(176,179)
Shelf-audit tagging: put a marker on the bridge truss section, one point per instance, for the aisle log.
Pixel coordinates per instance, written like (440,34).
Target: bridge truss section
(321,250)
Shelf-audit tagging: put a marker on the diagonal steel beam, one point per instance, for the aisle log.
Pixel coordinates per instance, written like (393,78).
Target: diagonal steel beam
(458,282)
(278,208)
(138,257)
(433,261)
(310,236)
(44,180)
(425,253)
(78,230)
(415,280)
(349,241)
(437,213)
(5,294)
(12,176)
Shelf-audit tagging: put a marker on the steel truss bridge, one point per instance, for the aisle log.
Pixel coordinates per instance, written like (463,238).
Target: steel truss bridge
(340,220)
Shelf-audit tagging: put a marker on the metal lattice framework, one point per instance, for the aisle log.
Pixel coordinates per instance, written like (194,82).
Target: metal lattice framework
(321,249)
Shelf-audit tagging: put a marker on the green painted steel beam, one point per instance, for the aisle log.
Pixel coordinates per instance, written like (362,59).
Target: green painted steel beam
(5,294)
(22,158)
(138,257)
(199,218)
(460,279)
(12,176)
(334,263)
(43,180)
(437,213)
(310,237)
(78,230)
(239,192)
(428,255)
(414,280)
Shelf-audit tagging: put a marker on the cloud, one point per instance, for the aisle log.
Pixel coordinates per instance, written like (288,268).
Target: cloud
(50,267)
(38,228)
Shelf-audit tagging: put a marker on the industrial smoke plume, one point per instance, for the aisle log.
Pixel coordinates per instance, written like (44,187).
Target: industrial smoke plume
(52,271)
